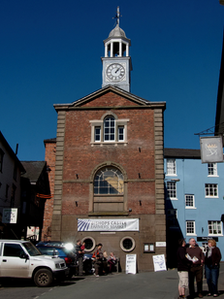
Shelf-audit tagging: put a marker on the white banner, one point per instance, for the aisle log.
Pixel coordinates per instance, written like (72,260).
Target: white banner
(91,225)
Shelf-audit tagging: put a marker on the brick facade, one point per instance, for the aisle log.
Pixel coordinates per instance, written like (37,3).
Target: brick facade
(50,152)
(78,158)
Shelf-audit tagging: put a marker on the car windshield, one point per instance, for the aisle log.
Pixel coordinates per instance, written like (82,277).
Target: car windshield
(32,250)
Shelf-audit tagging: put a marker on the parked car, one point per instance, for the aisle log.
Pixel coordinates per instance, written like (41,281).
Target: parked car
(62,250)
(21,259)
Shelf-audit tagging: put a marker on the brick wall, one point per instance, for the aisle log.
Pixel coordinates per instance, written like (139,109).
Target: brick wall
(50,151)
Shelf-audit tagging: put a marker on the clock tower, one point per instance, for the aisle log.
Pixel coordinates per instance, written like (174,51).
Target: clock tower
(116,61)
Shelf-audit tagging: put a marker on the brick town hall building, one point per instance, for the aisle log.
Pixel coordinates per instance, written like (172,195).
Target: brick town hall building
(107,169)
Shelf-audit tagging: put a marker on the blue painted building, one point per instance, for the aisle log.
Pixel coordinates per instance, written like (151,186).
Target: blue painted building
(194,200)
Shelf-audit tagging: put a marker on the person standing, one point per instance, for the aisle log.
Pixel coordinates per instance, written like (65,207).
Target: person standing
(212,260)
(182,268)
(98,256)
(196,257)
(80,253)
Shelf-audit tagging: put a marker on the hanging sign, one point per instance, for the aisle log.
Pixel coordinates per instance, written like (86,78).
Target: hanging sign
(211,149)
(130,264)
(91,225)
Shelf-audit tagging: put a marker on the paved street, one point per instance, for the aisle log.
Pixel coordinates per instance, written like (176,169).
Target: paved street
(150,285)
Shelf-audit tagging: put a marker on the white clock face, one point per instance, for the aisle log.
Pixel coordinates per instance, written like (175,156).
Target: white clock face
(115,72)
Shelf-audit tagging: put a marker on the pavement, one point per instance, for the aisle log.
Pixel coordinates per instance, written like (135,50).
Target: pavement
(167,275)
(144,285)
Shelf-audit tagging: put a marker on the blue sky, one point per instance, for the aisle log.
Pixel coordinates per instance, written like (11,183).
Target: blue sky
(51,53)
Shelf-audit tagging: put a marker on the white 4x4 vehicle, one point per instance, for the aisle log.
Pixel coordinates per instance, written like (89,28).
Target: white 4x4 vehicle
(21,259)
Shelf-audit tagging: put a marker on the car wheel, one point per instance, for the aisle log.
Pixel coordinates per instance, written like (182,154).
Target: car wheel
(43,278)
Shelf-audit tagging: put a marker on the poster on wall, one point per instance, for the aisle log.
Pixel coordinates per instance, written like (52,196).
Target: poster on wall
(159,262)
(33,231)
(90,225)
(130,264)
(9,215)
(211,149)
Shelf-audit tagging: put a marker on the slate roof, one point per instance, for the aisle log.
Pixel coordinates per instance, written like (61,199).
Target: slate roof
(182,153)
(11,152)
(33,169)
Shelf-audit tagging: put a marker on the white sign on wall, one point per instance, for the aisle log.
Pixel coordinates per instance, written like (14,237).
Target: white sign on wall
(9,215)
(130,263)
(108,225)
(33,231)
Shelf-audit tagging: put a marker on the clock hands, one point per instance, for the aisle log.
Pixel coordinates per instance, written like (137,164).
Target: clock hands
(117,70)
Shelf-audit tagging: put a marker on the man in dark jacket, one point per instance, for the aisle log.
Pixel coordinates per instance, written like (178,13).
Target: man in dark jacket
(182,268)
(196,257)
(79,253)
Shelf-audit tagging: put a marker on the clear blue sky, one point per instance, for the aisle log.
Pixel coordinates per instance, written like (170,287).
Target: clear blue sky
(51,53)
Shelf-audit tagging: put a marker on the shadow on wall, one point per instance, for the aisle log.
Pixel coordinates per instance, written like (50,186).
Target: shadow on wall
(173,233)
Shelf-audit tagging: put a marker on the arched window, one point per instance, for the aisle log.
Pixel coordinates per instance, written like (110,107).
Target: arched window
(109,180)
(109,128)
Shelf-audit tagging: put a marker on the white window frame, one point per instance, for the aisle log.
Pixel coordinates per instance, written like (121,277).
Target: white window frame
(211,226)
(175,190)
(109,124)
(95,134)
(208,188)
(193,198)
(171,169)
(212,167)
(100,123)
(194,231)
(119,134)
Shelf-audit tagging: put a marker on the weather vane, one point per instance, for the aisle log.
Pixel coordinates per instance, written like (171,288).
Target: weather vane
(117,17)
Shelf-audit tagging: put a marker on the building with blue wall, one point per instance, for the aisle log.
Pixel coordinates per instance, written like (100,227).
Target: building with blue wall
(194,200)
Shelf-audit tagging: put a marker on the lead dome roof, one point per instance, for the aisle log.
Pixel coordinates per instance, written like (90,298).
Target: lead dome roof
(117,32)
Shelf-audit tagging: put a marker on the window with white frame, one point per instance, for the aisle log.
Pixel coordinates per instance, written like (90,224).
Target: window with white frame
(97,134)
(189,201)
(120,133)
(214,227)
(171,190)
(109,129)
(212,169)
(171,167)
(190,227)
(211,190)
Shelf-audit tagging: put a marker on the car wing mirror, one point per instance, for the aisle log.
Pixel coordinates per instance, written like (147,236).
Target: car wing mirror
(24,256)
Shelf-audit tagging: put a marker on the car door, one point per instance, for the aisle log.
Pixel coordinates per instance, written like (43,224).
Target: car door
(14,262)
